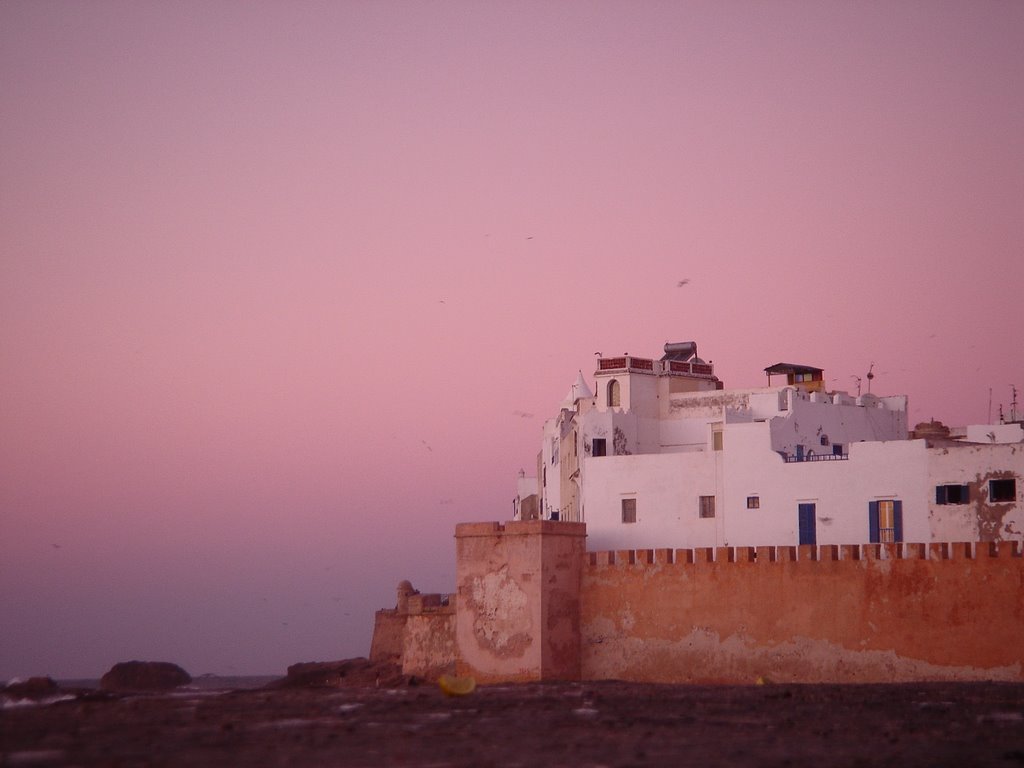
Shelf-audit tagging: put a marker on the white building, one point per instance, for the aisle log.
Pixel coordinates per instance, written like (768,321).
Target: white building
(661,455)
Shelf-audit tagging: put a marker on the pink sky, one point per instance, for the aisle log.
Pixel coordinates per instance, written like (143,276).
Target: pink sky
(278,279)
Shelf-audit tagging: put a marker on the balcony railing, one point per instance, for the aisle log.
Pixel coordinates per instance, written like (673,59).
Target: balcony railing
(797,459)
(701,369)
(646,365)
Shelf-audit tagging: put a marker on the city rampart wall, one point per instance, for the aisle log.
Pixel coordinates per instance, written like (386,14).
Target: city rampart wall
(857,613)
(428,640)
(418,634)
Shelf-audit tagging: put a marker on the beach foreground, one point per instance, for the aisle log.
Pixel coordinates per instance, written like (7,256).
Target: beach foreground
(551,724)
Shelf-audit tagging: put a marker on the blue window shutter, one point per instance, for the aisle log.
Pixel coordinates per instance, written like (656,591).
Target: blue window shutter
(808,534)
(965,494)
(873,536)
(940,494)
(897,520)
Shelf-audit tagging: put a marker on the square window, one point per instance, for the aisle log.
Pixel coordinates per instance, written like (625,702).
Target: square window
(716,440)
(837,449)
(707,506)
(753,502)
(952,494)
(600,447)
(629,510)
(1002,490)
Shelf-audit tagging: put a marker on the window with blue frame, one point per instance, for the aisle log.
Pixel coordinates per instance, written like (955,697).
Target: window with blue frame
(885,521)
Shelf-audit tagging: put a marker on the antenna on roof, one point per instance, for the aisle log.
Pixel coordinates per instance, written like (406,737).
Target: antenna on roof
(870,376)
(1013,404)
(858,384)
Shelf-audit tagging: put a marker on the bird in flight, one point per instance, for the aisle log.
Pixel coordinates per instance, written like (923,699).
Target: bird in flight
(682,282)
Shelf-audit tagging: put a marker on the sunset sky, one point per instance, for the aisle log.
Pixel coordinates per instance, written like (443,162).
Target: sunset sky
(287,289)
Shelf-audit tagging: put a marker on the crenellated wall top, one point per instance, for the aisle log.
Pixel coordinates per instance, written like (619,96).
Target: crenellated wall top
(963,550)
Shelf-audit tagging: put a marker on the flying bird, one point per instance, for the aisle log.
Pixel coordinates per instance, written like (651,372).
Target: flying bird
(682,282)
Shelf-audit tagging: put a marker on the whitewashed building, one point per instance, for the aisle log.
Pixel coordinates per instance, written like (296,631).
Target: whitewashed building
(660,454)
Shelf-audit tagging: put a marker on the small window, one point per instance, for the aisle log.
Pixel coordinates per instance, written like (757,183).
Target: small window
(629,510)
(707,506)
(1002,490)
(614,396)
(716,439)
(753,502)
(837,449)
(600,447)
(952,494)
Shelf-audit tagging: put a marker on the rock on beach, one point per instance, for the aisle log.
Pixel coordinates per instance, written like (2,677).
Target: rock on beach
(144,676)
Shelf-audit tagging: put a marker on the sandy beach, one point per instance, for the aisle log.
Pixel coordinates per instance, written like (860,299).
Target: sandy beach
(578,724)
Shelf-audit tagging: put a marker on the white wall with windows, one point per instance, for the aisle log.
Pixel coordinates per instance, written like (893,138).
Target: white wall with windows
(841,491)
(961,481)
(666,488)
(757,494)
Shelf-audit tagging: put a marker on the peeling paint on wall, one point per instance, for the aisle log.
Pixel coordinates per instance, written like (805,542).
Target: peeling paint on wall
(711,405)
(502,623)
(619,443)
(990,515)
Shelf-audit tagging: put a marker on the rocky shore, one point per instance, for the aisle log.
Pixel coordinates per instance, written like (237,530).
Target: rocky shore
(355,713)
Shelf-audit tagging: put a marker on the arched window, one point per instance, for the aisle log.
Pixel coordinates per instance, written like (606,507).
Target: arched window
(613,394)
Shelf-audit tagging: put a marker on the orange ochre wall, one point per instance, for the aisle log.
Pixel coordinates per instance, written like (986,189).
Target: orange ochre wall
(533,604)
(871,613)
(517,606)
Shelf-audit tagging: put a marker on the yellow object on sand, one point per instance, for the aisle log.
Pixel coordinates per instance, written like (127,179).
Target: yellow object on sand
(456,686)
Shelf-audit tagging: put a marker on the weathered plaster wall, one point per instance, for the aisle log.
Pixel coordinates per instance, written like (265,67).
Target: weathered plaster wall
(811,417)
(980,519)
(518,598)
(704,405)
(429,643)
(418,634)
(879,614)
(388,629)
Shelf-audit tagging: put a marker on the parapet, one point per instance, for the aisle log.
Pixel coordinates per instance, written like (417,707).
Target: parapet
(520,528)
(963,550)
(432,603)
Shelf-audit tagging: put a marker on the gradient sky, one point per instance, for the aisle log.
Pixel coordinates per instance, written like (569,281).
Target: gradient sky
(287,289)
